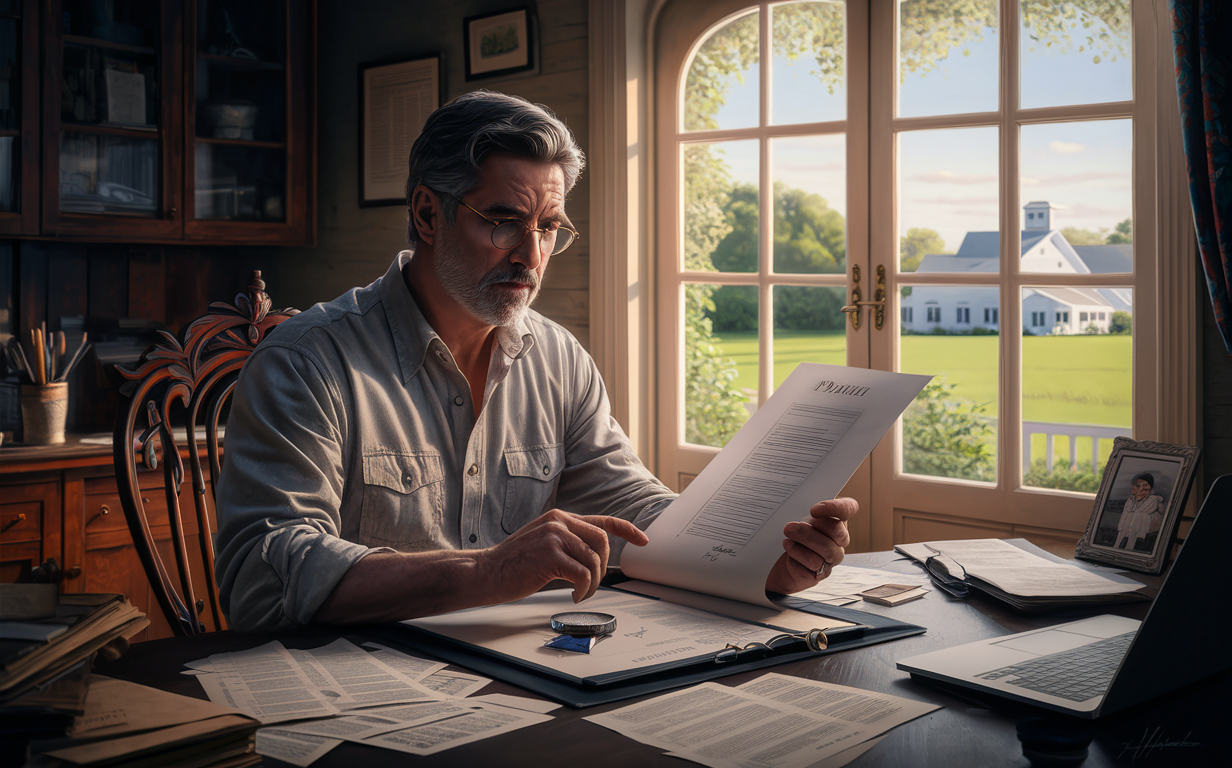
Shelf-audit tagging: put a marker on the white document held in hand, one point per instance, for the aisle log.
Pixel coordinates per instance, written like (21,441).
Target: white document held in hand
(724,532)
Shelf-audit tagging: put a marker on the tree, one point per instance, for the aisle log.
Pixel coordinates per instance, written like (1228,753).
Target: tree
(1121,324)
(945,437)
(916,244)
(1122,233)
(1077,236)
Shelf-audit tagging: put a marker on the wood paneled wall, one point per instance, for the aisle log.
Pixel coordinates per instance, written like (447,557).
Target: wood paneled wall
(94,286)
(356,245)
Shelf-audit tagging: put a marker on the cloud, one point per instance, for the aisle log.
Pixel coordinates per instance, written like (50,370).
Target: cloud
(978,202)
(1121,177)
(949,177)
(1066,147)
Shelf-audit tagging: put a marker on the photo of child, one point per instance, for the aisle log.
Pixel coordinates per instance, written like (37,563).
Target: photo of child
(1133,515)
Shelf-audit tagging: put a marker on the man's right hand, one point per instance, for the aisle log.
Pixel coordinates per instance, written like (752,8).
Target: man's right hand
(555,545)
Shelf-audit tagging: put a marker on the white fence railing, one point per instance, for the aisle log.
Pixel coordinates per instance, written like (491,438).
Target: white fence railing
(1071,431)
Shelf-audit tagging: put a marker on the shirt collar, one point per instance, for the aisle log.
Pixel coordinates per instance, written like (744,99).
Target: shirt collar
(412,334)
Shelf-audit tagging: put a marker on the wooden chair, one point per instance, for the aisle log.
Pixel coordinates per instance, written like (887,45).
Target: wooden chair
(199,375)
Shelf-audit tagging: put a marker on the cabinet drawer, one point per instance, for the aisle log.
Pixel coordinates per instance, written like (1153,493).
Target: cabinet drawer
(21,522)
(105,513)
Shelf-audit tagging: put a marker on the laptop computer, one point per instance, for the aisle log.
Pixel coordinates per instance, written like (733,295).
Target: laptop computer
(1099,665)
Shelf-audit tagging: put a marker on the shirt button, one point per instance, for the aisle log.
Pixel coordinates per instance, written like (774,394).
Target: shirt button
(474,538)
(458,400)
(546,469)
(474,470)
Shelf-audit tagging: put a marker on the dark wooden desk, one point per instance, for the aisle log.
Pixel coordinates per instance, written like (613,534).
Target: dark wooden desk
(965,732)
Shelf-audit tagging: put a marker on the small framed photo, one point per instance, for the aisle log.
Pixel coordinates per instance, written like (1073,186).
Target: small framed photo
(499,43)
(1138,507)
(395,99)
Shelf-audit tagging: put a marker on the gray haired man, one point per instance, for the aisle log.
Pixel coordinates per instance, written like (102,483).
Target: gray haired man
(429,443)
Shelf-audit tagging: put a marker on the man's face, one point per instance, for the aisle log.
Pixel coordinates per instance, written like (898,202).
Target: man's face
(1141,489)
(493,285)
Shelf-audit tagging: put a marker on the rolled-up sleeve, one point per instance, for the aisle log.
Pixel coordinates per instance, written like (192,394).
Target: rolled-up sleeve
(279,553)
(603,474)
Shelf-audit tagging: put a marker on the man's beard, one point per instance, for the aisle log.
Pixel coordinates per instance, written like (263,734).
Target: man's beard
(481,297)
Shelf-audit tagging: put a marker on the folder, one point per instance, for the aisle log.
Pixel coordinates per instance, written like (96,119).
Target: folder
(573,686)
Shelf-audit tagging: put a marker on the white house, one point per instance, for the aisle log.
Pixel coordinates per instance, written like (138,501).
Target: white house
(962,309)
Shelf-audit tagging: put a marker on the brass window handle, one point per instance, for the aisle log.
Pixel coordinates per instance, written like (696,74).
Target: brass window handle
(879,300)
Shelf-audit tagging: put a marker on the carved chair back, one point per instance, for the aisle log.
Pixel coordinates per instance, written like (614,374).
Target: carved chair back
(198,375)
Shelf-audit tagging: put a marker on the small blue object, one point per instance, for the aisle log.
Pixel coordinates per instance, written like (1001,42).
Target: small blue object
(574,644)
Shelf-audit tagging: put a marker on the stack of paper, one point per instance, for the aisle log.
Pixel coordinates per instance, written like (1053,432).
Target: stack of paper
(845,583)
(1023,575)
(90,621)
(339,692)
(129,724)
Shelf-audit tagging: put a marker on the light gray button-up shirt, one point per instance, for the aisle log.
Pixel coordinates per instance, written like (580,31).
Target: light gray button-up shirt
(352,429)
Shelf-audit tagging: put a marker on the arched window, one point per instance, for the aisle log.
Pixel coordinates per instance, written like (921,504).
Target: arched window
(937,155)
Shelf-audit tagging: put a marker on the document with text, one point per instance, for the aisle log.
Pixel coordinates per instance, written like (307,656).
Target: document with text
(725,531)
(774,720)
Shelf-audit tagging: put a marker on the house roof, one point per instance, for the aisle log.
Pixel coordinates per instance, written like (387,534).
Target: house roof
(1104,259)
(1075,296)
(980,252)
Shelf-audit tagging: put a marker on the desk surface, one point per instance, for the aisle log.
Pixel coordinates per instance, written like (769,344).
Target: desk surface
(965,732)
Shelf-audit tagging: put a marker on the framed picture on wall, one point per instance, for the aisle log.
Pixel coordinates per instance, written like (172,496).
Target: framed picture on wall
(395,99)
(1138,507)
(499,43)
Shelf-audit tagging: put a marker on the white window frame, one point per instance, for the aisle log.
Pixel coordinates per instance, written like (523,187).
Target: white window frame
(622,39)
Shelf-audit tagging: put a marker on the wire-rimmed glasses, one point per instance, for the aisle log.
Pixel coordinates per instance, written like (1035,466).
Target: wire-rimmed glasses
(815,639)
(943,577)
(508,234)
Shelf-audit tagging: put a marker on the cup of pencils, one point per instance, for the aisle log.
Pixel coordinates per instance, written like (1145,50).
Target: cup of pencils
(44,390)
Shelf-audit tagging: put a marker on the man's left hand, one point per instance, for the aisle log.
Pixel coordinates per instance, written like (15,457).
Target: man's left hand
(812,548)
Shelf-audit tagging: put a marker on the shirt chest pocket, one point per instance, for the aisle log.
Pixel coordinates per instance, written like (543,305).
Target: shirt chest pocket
(404,499)
(531,488)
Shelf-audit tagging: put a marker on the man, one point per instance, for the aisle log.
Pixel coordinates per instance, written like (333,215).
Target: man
(427,443)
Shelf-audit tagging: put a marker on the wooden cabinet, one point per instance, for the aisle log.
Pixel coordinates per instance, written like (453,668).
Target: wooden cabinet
(65,504)
(162,120)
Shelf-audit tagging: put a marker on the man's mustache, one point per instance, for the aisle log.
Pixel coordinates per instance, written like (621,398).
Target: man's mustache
(520,275)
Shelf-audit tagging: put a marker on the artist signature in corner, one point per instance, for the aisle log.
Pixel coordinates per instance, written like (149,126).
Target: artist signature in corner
(1152,740)
(715,552)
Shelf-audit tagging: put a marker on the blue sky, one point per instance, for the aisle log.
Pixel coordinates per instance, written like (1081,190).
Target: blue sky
(947,179)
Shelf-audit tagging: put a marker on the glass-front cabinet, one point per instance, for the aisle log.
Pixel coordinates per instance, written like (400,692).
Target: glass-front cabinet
(177,120)
(19,118)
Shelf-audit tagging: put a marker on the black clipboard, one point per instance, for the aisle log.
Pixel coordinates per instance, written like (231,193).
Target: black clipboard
(577,692)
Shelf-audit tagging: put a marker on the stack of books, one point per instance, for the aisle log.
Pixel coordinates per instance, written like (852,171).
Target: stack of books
(47,643)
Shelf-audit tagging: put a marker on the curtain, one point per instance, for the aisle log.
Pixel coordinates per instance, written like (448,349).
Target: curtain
(1202,43)
(1201,36)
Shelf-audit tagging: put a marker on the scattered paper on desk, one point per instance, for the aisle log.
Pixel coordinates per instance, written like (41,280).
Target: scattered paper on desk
(266,683)
(455,685)
(453,731)
(893,594)
(773,720)
(518,702)
(411,666)
(365,679)
(290,747)
(847,582)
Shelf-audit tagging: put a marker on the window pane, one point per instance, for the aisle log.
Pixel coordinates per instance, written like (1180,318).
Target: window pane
(810,204)
(951,428)
(238,182)
(720,206)
(947,204)
(108,174)
(809,327)
(721,90)
(1076,52)
(947,57)
(10,174)
(1077,392)
(809,81)
(1077,192)
(720,361)
(10,75)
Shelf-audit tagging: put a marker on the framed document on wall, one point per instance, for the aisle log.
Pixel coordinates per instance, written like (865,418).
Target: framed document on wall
(395,99)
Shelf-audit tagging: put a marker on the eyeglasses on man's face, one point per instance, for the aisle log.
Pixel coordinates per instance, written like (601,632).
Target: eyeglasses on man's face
(508,234)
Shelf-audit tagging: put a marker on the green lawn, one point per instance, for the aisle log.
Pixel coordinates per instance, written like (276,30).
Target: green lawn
(1067,379)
